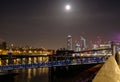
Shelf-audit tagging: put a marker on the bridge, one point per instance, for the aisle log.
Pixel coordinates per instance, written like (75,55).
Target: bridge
(66,58)
(82,60)
(12,62)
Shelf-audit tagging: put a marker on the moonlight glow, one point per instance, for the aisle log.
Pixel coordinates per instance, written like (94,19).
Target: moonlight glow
(67,7)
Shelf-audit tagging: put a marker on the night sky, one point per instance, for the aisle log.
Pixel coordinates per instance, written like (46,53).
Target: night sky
(46,23)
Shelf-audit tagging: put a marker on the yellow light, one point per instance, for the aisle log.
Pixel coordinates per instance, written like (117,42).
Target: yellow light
(30,51)
(5,52)
(24,51)
(0,63)
(35,52)
(40,52)
(81,54)
(0,50)
(119,52)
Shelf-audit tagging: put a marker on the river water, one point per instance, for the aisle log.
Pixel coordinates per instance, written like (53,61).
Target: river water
(45,75)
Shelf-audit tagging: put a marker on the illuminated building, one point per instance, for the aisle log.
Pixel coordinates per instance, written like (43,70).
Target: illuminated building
(69,42)
(84,42)
(77,47)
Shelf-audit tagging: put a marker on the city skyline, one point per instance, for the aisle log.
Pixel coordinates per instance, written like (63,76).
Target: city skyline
(46,23)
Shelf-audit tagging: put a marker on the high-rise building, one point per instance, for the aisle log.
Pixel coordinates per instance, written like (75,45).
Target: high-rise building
(69,42)
(84,43)
(77,47)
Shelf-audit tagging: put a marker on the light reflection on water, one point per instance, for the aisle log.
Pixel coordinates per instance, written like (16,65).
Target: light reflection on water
(45,75)
(38,75)
(32,75)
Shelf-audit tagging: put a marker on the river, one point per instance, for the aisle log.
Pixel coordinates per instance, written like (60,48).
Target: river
(45,75)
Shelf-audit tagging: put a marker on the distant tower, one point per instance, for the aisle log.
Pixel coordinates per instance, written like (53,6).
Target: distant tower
(84,43)
(69,42)
(77,47)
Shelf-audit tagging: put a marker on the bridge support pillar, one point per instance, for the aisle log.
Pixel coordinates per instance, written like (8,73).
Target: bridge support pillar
(26,60)
(20,61)
(10,61)
(113,49)
(50,58)
(37,59)
(32,60)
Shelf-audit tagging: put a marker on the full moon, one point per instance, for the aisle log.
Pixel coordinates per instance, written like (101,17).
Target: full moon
(67,7)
